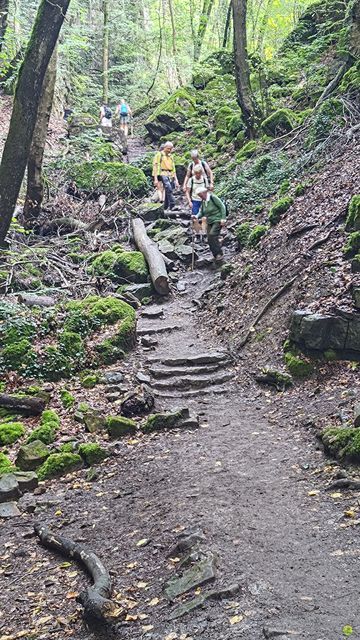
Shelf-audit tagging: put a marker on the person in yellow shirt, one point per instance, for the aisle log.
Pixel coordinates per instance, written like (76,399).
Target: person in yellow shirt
(164,171)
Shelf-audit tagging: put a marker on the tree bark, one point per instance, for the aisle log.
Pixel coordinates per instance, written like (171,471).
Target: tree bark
(105,69)
(49,20)
(35,183)
(152,256)
(4,12)
(204,19)
(242,70)
(28,406)
(174,49)
(227,26)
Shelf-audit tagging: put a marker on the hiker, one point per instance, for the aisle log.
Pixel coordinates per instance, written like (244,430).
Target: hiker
(164,169)
(197,182)
(105,116)
(195,163)
(214,210)
(160,187)
(124,112)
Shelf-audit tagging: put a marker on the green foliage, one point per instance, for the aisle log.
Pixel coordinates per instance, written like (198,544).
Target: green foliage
(256,234)
(109,177)
(246,151)
(352,246)
(351,79)
(92,453)
(58,464)
(298,367)
(279,208)
(67,399)
(54,365)
(18,356)
(10,432)
(353,216)
(299,190)
(6,466)
(326,118)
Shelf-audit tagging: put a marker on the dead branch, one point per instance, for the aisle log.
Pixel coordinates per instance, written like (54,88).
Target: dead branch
(98,608)
(265,308)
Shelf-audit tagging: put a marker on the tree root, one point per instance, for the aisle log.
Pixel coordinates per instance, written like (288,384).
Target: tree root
(98,608)
(344,483)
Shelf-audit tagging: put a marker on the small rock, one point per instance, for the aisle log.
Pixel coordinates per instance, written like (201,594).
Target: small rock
(140,291)
(92,474)
(27,480)
(112,377)
(181,287)
(9,488)
(9,510)
(137,403)
(142,377)
(94,421)
(147,341)
(32,455)
(113,397)
(27,503)
(185,252)
(152,313)
(200,573)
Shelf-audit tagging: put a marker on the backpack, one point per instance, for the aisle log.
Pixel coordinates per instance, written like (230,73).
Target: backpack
(225,204)
(107,113)
(124,109)
(203,165)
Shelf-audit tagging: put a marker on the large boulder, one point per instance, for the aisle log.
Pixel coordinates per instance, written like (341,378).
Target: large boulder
(115,178)
(171,115)
(120,266)
(32,455)
(320,332)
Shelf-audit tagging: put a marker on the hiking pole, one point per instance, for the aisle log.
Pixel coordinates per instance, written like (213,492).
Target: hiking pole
(192,246)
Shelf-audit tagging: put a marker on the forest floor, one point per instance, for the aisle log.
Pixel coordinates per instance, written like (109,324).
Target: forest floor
(250,481)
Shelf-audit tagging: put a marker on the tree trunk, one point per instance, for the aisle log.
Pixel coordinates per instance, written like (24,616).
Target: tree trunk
(105,69)
(4,11)
(35,184)
(174,50)
(227,26)
(242,70)
(152,256)
(49,20)
(204,19)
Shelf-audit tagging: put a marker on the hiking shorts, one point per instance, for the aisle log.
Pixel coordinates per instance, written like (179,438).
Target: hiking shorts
(196,206)
(124,119)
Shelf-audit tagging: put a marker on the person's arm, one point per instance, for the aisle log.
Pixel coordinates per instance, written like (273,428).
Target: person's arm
(175,176)
(210,176)
(186,180)
(220,205)
(156,169)
(187,193)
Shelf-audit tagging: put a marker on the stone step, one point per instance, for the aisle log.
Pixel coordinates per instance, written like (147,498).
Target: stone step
(192,382)
(166,372)
(196,359)
(147,331)
(192,393)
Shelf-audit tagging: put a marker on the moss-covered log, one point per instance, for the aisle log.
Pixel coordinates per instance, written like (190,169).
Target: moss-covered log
(96,601)
(27,406)
(15,156)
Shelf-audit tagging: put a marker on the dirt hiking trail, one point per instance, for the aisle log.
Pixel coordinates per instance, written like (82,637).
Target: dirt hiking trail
(246,485)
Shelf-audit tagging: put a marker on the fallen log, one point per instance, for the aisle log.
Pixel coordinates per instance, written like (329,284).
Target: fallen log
(33,300)
(98,608)
(29,406)
(153,257)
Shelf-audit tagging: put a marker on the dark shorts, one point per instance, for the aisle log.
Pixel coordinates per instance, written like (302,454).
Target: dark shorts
(124,119)
(196,206)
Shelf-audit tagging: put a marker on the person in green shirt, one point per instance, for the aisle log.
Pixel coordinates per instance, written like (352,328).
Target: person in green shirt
(214,210)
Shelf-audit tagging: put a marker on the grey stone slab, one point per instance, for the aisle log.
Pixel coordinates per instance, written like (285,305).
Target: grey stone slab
(9,510)
(9,487)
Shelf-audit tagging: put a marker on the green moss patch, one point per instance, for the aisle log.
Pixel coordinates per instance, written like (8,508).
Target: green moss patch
(46,431)
(110,178)
(92,453)
(67,399)
(89,381)
(59,464)
(6,466)
(298,367)
(117,426)
(279,208)
(120,266)
(256,234)
(32,455)
(10,432)
(280,122)
(353,217)
(247,151)
(342,443)
(352,246)
(162,421)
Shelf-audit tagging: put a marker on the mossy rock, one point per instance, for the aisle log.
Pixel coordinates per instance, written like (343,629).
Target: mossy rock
(242,233)
(114,178)
(223,116)
(352,246)
(89,381)
(67,399)
(117,426)
(113,349)
(256,234)
(247,151)
(353,216)
(58,464)
(278,123)
(46,431)
(298,367)
(342,443)
(10,432)
(17,356)
(355,264)
(92,453)
(6,466)
(172,114)
(32,455)
(351,79)
(299,190)
(119,266)
(163,421)
(279,208)
(94,312)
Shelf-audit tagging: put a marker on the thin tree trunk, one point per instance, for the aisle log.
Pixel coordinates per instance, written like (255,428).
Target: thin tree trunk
(105,69)
(35,183)
(204,19)
(242,70)
(174,50)
(227,26)
(4,12)
(50,17)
